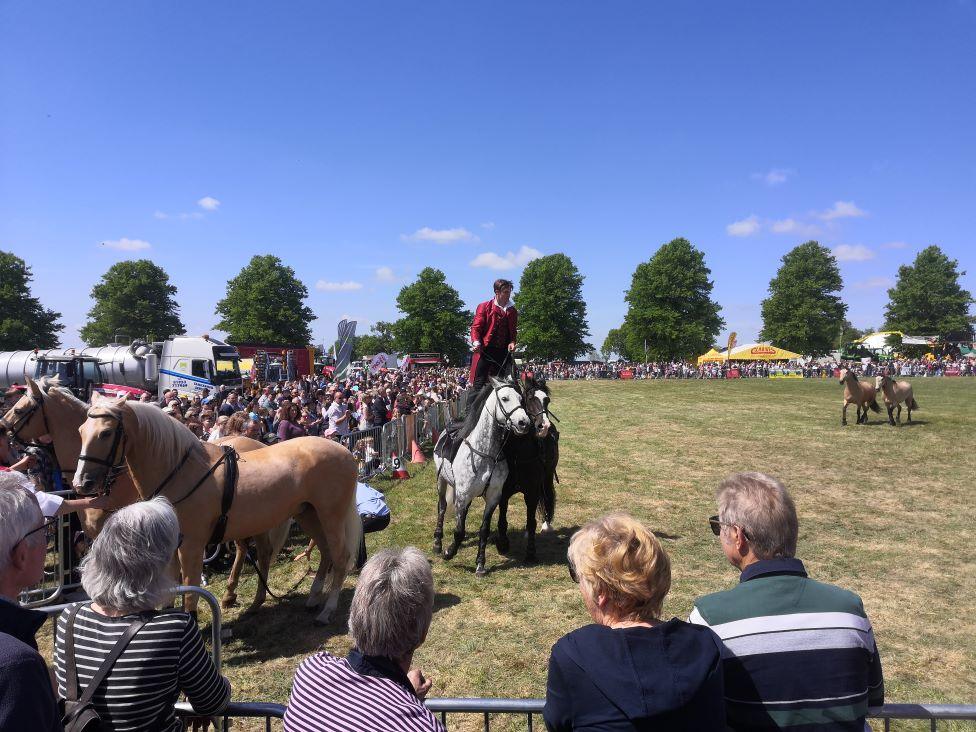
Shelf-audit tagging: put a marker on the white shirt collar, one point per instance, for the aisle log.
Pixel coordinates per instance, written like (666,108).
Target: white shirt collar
(505,306)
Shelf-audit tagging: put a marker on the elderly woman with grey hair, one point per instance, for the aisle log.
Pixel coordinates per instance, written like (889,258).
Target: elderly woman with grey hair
(126,575)
(373,688)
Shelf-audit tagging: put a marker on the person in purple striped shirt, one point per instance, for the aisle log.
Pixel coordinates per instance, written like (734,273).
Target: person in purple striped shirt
(374,688)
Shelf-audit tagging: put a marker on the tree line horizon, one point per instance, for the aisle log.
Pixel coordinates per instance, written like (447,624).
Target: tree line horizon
(670,311)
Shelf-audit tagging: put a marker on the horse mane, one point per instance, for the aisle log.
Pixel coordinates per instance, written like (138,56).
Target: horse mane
(51,386)
(536,383)
(166,440)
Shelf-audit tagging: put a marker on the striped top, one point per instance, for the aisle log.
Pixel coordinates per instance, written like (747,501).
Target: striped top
(165,657)
(799,654)
(329,695)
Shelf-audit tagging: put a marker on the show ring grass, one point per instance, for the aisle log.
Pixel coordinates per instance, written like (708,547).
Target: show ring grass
(884,511)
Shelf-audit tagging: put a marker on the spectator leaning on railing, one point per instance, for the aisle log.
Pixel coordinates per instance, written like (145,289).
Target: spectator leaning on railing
(374,687)
(26,698)
(126,575)
(630,670)
(800,654)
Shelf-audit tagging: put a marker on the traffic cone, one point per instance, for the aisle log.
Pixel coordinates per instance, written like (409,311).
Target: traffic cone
(398,470)
(417,455)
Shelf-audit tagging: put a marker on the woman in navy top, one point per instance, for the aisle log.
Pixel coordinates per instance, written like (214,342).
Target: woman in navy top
(630,670)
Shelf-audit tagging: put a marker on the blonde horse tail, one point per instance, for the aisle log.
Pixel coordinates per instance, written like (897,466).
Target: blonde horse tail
(353,533)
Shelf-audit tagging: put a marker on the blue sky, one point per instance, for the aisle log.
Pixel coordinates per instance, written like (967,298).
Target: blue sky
(363,141)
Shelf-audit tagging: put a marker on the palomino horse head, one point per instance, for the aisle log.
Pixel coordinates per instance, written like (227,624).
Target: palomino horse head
(880,381)
(505,405)
(102,456)
(842,376)
(26,420)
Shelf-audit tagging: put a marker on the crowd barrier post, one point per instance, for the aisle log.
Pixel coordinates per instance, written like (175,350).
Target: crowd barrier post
(62,567)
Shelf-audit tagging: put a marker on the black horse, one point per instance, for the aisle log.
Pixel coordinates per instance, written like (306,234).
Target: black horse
(532,463)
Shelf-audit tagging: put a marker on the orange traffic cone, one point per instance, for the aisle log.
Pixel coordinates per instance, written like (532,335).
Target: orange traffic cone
(398,470)
(416,454)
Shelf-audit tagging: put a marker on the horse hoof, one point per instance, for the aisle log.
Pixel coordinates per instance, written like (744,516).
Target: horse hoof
(438,547)
(228,602)
(546,526)
(480,571)
(449,554)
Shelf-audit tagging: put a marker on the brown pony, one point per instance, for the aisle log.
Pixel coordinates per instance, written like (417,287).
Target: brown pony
(896,392)
(860,393)
(48,408)
(307,477)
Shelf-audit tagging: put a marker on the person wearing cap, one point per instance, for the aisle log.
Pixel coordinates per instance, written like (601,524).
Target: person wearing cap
(493,335)
(373,512)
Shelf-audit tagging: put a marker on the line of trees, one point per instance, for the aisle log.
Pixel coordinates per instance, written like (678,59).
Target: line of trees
(670,310)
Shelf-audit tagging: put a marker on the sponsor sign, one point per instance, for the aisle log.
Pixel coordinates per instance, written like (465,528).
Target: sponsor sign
(762,351)
(627,374)
(733,374)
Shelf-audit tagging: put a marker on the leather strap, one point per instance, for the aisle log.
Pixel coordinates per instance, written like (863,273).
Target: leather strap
(227,498)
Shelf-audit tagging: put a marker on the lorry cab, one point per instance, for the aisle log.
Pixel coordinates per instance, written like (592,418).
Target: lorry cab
(191,365)
(82,375)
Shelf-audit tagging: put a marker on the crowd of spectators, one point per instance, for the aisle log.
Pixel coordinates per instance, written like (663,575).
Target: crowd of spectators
(812,369)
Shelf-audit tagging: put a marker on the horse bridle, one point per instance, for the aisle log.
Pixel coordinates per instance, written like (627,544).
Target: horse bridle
(115,465)
(498,405)
(37,403)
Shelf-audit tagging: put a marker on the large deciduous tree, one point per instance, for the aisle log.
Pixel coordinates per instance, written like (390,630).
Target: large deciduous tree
(670,306)
(24,323)
(616,342)
(434,318)
(134,299)
(265,303)
(804,312)
(927,299)
(552,313)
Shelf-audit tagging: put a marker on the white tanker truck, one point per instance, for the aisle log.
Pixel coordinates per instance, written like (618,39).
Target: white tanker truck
(185,363)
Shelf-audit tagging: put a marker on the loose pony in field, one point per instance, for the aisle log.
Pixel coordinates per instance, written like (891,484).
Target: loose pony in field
(309,478)
(479,466)
(860,393)
(896,392)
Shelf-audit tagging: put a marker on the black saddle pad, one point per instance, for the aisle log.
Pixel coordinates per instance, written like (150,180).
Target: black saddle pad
(447,446)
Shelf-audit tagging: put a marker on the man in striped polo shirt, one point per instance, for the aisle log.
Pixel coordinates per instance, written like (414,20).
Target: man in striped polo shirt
(800,654)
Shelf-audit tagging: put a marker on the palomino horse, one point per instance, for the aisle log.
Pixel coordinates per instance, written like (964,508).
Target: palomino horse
(896,392)
(860,393)
(307,477)
(48,408)
(532,461)
(478,466)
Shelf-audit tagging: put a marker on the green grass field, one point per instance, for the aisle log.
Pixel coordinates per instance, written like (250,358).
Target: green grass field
(884,511)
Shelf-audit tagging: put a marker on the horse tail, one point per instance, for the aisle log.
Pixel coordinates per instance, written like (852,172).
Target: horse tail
(547,506)
(874,405)
(353,533)
(912,402)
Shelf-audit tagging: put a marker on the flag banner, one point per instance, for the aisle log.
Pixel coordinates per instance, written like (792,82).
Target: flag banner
(347,332)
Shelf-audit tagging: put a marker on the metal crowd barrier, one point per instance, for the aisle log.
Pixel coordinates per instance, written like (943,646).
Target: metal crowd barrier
(58,566)
(241,710)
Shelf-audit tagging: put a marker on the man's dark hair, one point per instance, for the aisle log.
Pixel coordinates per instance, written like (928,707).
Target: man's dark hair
(500,284)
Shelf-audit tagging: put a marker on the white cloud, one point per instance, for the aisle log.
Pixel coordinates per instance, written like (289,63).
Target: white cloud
(160,215)
(208,203)
(895,245)
(126,245)
(347,286)
(385,274)
(745,227)
(488,225)
(874,283)
(192,215)
(792,226)
(842,210)
(440,236)
(511,260)
(773,177)
(853,253)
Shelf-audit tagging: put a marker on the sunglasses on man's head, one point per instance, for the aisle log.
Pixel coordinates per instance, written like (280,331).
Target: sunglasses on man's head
(716,526)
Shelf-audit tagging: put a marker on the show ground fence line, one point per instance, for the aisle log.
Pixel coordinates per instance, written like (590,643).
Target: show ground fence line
(531,710)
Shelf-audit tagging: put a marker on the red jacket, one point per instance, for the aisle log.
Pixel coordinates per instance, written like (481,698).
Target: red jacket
(484,329)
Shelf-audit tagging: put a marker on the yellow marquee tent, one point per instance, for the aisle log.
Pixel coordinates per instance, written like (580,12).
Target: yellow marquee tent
(760,352)
(712,355)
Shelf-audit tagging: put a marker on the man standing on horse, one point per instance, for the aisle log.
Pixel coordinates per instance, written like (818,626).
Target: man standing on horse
(493,335)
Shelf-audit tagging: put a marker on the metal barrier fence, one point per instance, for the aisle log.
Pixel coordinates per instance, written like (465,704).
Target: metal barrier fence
(58,566)
(374,447)
(531,711)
